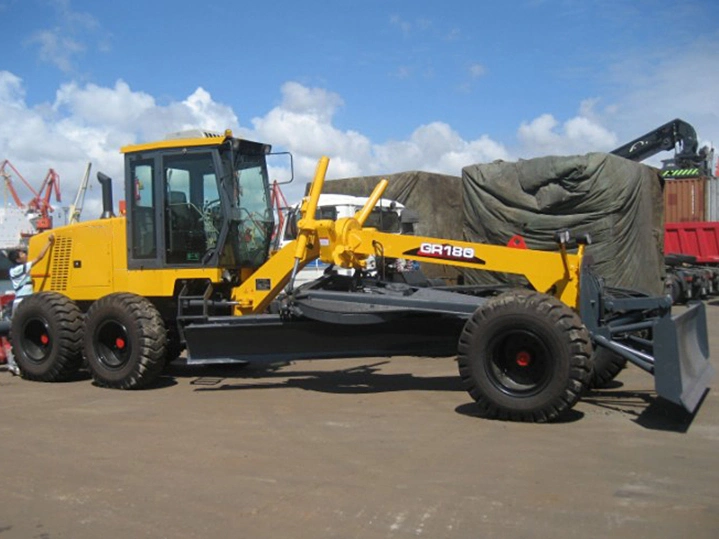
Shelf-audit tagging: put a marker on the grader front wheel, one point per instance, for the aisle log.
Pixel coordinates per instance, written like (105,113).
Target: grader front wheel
(524,356)
(125,342)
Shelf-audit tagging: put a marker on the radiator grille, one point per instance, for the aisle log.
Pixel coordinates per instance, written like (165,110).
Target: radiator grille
(61,253)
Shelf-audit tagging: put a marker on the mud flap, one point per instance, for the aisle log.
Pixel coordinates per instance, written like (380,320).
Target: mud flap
(682,370)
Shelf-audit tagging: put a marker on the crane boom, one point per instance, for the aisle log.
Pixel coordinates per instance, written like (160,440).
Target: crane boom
(8,182)
(676,135)
(76,208)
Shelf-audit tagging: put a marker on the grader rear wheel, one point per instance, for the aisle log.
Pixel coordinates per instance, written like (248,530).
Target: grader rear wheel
(524,356)
(125,345)
(46,335)
(607,366)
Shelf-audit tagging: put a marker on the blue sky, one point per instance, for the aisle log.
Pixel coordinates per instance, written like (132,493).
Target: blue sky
(378,86)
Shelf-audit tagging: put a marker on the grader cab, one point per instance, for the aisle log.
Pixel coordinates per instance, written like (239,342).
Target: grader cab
(189,266)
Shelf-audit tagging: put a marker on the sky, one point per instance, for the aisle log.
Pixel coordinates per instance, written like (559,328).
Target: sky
(379,86)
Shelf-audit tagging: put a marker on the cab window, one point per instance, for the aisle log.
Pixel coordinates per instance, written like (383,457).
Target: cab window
(144,242)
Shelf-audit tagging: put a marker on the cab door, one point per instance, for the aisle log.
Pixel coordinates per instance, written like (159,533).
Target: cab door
(174,215)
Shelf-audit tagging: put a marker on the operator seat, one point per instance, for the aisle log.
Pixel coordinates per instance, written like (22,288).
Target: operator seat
(185,230)
(182,215)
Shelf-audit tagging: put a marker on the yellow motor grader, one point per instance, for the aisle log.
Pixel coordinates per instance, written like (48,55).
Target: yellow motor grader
(186,264)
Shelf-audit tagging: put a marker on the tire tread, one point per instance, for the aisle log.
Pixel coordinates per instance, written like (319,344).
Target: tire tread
(68,354)
(561,316)
(152,341)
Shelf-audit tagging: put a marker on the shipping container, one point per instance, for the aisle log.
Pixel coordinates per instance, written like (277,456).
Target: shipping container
(685,199)
(713,199)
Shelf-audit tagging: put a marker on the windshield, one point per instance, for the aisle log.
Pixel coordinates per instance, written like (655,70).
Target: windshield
(252,227)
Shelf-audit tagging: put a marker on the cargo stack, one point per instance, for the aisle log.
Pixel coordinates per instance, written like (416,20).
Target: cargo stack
(690,196)
(691,242)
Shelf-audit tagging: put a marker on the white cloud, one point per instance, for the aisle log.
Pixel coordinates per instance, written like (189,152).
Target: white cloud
(436,147)
(477,70)
(91,122)
(401,72)
(56,49)
(539,133)
(65,41)
(454,34)
(403,25)
(95,105)
(62,44)
(303,124)
(314,101)
(408,28)
(202,110)
(544,136)
(12,92)
(583,132)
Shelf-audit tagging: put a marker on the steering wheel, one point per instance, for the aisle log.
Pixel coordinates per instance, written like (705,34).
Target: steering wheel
(212,211)
(212,218)
(211,206)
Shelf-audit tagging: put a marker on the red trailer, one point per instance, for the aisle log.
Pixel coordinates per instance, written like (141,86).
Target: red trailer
(692,256)
(698,239)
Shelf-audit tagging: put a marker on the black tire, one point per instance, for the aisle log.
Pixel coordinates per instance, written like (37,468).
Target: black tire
(524,356)
(674,288)
(125,345)
(606,366)
(46,335)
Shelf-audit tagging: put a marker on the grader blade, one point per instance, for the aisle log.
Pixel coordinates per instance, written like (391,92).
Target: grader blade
(642,330)
(682,370)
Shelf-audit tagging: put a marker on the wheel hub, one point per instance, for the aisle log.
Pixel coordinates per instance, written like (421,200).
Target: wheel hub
(519,362)
(111,344)
(523,359)
(36,340)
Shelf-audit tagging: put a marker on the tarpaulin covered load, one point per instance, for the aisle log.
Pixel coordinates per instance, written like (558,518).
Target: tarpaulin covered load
(436,198)
(617,201)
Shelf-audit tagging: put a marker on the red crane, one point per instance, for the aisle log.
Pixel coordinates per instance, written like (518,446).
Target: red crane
(40,202)
(279,205)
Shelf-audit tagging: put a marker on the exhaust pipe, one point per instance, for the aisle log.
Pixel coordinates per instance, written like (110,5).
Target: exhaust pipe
(106,183)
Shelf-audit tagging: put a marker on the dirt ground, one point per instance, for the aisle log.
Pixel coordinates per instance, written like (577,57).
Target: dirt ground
(345,449)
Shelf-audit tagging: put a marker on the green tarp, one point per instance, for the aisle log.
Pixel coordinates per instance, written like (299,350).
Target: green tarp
(617,201)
